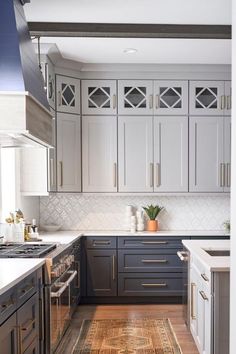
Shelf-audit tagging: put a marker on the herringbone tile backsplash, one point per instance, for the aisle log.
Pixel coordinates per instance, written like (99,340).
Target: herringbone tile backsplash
(92,212)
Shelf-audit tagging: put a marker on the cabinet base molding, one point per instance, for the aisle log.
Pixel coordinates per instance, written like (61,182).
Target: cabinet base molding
(134,300)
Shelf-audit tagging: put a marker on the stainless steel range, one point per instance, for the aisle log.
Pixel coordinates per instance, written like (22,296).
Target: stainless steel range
(20,250)
(61,291)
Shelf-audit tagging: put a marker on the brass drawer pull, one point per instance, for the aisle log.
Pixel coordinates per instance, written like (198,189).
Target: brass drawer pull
(192,310)
(30,323)
(154,260)
(203,295)
(5,306)
(101,242)
(27,289)
(113,268)
(204,277)
(154,242)
(61,173)
(156,285)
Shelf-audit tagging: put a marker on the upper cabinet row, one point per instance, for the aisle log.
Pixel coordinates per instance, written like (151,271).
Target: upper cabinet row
(140,97)
(162,97)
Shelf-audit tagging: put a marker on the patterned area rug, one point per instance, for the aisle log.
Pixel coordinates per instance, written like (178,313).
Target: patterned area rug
(141,336)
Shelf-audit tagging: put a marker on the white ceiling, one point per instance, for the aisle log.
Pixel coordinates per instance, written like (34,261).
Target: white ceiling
(110,50)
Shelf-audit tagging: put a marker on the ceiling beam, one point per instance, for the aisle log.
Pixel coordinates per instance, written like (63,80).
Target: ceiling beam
(123,30)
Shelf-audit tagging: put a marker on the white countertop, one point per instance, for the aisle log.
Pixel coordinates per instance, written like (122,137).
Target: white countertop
(66,237)
(13,270)
(213,264)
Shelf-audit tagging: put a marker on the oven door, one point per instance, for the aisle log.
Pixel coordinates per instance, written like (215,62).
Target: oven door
(184,257)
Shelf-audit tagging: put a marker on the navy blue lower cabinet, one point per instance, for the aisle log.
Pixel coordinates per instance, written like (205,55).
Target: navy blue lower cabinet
(8,336)
(150,284)
(151,242)
(101,272)
(163,260)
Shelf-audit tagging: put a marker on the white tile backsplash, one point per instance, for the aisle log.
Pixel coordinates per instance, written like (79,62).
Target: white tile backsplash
(93,212)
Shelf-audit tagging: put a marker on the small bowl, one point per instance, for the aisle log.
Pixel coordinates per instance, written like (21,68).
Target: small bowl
(51,228)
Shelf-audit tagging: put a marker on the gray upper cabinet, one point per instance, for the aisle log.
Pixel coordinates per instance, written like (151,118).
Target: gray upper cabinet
(99,146)
(228,100)
(50,85)
(135,97)
(206,154)
(171,97)
(227,154)
(52,162)
(68,94)
(171,154)
(68,153)
(135,154)
(99,97)
(207,98)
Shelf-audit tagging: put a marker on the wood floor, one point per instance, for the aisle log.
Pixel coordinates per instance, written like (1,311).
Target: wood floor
(173,312)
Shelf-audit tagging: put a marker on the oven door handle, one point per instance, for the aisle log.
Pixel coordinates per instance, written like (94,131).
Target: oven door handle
(60,291)
(73,275)
(183,255)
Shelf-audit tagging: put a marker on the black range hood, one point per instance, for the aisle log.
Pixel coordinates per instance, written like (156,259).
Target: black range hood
(24,109)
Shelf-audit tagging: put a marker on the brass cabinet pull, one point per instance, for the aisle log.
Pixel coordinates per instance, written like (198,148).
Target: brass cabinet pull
(115,174)
(61,173)
(27,289)
(203,275)
(113,268)
(154,260)
(151,174)
(6,305)
(183,255)
(51,172)
(151,101)
(229,102)
(222,175)
(157,101)
(228,179)
(158,175)
(154,242)
(192,310)
(222,102)
(101,242)
(155,285)
(28,324)
(59,98)
(114,101)
(203,295)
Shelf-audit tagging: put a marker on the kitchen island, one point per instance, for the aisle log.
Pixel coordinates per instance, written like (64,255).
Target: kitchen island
(208,294)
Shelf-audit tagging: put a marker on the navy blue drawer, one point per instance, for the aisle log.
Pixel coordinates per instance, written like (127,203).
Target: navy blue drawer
(8,304)
(149,242)
(149,261)
(149,284)
(26,288)
(100,242)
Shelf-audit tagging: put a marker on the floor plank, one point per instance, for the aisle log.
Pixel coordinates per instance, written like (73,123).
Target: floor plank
(173,312)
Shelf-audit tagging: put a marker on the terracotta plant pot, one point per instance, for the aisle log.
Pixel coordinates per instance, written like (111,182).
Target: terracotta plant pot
(152,225)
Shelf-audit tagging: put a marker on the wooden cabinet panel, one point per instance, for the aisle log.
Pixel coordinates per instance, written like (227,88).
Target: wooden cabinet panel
(68,94)
(135,154)
(171,97)
(99,146)
(101,273)
(99,97)
(135,97)
(68,153)
(206,154)
(171,154)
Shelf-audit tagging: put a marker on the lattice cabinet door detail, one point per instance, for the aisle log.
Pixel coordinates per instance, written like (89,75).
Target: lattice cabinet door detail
(171,97)
(68,94)
(135,97)
(207,97)
(99,97)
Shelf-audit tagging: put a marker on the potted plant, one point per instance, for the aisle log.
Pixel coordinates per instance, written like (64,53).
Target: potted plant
(152,212)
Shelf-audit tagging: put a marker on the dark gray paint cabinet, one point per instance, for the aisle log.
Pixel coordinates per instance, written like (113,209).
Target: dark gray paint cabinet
(8,336)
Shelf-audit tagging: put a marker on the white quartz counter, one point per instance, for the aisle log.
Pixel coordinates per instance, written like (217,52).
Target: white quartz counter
(66,237)
(212,263)
(13,270)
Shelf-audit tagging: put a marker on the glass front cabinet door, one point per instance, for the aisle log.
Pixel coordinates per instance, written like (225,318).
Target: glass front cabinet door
(171,97)
(135,97)
(99,97)
(207,98)
(68,94)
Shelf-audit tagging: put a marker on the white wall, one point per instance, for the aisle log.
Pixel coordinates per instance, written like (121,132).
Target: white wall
(93,212)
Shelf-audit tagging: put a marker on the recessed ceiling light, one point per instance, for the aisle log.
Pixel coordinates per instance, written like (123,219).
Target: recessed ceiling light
(130,50)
